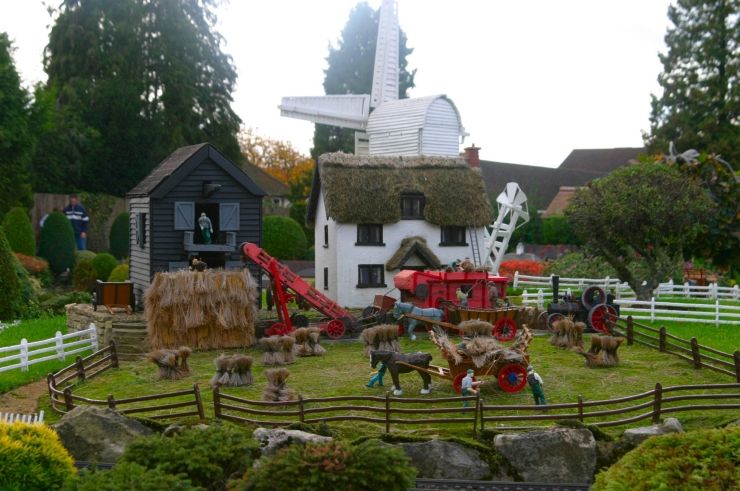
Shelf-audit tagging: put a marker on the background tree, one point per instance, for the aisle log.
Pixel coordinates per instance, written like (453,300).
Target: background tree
(638,219)
(19,231)
(350,71)
(129,82)
(16,141)
(10,287)
(700,103)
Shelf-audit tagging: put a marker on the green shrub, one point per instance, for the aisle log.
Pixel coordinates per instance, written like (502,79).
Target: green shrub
(131,477)
(328,466)
(104,263)
(84,256)
(119,273)
(704,459)
(84,276)
(283,238)
(32,457)
(577,265)
(10,285)
(28,306)
(119,236)
(556,230)
(55,304)
(57,243)
(207,456)
(19,231)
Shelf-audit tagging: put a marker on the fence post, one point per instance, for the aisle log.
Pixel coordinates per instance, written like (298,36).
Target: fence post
(606,284)
(630,330)
(216,403)
(301,416)
(695,353)
(93,336)
(686,289)
(387,412)
(580,408)
(24,355)
(736,356)
(736,292)
(113,354)
(111,401)
(477,409)
(59,344)
(662,339)
(652,309)
(51,384)
(656,403)
(716,310)
(199,402)
(516,279)
(80,368)
(540,299)
(68,403)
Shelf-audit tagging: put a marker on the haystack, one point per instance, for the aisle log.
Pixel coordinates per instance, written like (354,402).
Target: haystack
(603,351)
(232,371)
(475,327)
(383,337)
(567,334)
(307,342)
(272,346)
(206,310)
(172,364)
(276,389)
(481,351)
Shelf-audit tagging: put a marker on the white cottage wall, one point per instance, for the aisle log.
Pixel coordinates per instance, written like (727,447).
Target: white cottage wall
(325,251)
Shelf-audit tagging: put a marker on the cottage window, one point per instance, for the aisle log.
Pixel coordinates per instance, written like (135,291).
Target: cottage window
(369,234)
(326,235)
(412,206)
(326,278)
(453,236)
(370,275)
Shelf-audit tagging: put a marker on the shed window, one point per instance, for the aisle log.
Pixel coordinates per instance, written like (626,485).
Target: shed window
(140,229)
(412,206)
(370,275)
(370,234)
(453,236)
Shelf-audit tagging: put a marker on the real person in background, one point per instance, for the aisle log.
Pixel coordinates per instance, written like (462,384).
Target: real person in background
(77,215)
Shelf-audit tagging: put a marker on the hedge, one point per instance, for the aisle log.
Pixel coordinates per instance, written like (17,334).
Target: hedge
(19,231)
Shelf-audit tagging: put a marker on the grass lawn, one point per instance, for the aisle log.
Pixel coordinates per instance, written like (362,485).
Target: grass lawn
(724,338)
(32,330)
(344,371)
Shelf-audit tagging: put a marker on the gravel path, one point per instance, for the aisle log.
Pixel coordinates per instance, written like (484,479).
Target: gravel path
(24,399)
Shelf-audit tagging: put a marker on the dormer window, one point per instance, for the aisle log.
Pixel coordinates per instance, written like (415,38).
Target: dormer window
(412,206)
(369,234)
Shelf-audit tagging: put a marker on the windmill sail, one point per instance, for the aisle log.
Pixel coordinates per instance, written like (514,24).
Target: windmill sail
(385,74)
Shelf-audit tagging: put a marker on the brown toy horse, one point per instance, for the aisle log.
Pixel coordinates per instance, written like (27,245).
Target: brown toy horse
(390,359)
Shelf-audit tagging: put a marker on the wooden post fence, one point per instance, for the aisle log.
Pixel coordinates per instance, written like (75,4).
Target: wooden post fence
(199,402)
(736,356)
(301,415)
(111,401)
(113,354)
(630,330)
(580,408)
(657,403)
(216,403)
(662,339)
(695,355)
(68,403)
(387,412)
(80,368)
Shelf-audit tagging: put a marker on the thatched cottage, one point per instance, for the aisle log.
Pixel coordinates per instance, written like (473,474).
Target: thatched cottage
(376,215)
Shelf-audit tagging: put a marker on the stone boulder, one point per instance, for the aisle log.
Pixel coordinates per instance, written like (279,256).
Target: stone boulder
(437,459)
(272,440)
(557,455)
(98,434)
(635,436)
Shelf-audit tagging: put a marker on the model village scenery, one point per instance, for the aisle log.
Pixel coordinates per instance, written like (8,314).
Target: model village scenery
(417,318)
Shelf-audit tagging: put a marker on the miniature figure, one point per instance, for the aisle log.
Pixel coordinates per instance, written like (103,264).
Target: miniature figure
(206,228)
(377,376)
(536,383)
(469,386)
(462,298)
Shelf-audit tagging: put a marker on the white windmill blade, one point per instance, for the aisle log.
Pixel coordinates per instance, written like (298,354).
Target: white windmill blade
(347,111)
(385,72)
(512,210)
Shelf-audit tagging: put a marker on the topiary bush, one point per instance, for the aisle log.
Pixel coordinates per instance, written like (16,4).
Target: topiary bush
(57,244)
(104,263)
(55,304)
(32,457)
(703,459)
(84,276)
(28,306)
(207,456)
(283,238)
(19,231)
(368,466)
(119,273)
(10,286)
(84,256)
(131,477)
(119,236)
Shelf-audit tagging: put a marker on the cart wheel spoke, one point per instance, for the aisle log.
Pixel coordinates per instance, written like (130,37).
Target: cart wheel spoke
(505,329)
(601,317)
(335,329)
(512,377)
(552,319)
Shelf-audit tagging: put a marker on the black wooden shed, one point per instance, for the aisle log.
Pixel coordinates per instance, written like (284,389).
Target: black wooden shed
(166,205)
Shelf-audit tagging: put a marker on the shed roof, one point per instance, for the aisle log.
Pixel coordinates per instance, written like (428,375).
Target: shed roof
(560,201)
(180,163)
(268,183)
(367,189)
(600,160)
(409,114)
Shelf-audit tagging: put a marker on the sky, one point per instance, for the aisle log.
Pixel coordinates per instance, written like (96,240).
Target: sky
(532,79)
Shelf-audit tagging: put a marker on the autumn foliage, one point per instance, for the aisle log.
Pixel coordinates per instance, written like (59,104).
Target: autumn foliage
(524,266)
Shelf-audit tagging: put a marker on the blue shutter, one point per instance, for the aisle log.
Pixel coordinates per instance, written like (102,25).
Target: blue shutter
(228,216)
(184,215)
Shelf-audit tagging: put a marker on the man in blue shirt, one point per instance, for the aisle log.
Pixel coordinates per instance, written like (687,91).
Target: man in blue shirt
(77,215)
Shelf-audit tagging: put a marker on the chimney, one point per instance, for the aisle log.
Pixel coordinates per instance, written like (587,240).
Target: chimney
(471,156)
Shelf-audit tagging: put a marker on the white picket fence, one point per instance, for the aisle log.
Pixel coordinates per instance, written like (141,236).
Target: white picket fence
(693,291)
(705,313)
(61,345)
(24,418)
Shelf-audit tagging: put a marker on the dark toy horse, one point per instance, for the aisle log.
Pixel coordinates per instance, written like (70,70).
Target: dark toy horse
(390,359)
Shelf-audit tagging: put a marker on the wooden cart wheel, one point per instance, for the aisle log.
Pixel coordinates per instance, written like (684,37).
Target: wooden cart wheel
(552,319)
(593,295)
(601,317)
(335,329)
(504,329)
(512,377)
(457,382)
(542,320)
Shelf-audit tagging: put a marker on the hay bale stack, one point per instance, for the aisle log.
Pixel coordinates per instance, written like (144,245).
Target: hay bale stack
(383,337)
(232,371)
(314,336)
(567,334)
(307,342)
(206,310)
(276,389)
(475,327)
(172,364)
(285,355)
(603,351)
(272,346)
(223,371)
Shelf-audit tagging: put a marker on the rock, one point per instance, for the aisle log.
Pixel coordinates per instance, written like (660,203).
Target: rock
(273,440)
(558,455)
(173,429)
(98,434)
(635,436)
(437,459)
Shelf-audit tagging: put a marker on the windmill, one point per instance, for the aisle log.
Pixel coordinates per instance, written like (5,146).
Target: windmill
(386,125)
(512,206)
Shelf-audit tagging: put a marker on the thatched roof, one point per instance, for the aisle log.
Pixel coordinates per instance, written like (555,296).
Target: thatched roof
(413,245)
(367,189)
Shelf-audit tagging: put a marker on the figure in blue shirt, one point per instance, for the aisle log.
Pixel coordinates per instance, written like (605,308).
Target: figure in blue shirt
(77,215)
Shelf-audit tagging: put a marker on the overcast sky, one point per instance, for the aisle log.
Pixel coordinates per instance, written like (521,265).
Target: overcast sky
(532,79)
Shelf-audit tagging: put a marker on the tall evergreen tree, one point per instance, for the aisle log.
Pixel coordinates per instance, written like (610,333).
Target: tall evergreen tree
(130,81)
(15,139)
(350,71)
(700,104)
